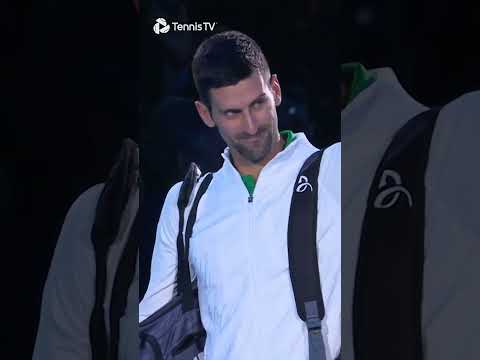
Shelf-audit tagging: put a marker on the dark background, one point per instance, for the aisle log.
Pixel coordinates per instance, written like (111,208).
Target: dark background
(78,78)
(69,95)
(429,43)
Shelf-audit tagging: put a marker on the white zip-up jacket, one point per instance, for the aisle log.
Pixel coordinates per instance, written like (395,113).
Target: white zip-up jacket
(451,290)
(69,292)
(238,252)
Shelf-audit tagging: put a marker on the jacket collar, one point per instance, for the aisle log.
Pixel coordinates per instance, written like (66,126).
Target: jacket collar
(294,154)
(383,106)
(300,141)
(357,79)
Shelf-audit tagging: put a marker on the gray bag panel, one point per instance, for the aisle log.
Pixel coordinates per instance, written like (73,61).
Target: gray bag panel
(181,335)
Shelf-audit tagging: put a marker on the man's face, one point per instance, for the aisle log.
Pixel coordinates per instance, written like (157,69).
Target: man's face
(245,115)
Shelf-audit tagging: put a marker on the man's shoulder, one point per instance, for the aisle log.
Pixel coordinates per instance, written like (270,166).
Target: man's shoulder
(332,157)
(462,113)
(454,149)
(330,170)
(81,214)
(334,151)
(88,199)
(456,132)
(469,99)
(174,192)
(172,195)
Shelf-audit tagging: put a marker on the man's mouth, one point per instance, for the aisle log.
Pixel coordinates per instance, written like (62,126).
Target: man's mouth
(253,138)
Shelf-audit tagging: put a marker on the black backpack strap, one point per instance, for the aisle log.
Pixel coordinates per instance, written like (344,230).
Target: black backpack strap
(184,283)
(121,285)
(389,275)
(187,287)
(183,199)
(302,253)
(110,206)
(97,326)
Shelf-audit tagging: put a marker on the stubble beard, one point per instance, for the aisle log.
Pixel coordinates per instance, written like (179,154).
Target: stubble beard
(252,152)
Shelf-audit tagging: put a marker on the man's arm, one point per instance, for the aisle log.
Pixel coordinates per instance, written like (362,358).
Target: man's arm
(329,243)
(163,271)
(68,295)
(451,320)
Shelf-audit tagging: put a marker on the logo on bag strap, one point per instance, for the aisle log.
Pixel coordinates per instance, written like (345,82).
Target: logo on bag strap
(381,201)
(303,184)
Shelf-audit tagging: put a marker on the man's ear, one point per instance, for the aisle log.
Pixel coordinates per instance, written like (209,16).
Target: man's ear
(276,90)
(204,113)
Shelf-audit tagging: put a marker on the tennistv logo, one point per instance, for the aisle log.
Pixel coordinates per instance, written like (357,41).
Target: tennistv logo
(162,27)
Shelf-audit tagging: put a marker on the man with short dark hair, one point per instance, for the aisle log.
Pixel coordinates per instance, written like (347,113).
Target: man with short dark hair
(223,79)
(238,250)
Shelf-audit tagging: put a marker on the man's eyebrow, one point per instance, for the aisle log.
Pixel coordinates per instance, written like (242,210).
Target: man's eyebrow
(259,97)
(235,110)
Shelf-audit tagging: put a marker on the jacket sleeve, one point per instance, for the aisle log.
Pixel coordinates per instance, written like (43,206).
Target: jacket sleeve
(450,316)
(329,245)
(68,294)
(163,270)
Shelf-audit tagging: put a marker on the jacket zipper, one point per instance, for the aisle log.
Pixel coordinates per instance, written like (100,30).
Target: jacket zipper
(252,265)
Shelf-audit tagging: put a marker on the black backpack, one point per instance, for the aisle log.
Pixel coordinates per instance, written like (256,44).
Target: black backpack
(389,276)
(175,331)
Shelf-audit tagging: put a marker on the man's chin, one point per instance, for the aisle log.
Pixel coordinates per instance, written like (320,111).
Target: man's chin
(253,156)
(257,159)
(256,149)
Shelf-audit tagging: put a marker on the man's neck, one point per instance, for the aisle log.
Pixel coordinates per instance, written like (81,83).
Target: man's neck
(246,167)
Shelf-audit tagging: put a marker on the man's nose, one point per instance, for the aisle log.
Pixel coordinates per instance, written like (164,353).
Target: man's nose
(250,123)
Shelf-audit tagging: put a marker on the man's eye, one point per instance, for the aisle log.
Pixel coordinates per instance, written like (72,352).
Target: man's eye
(258,103)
